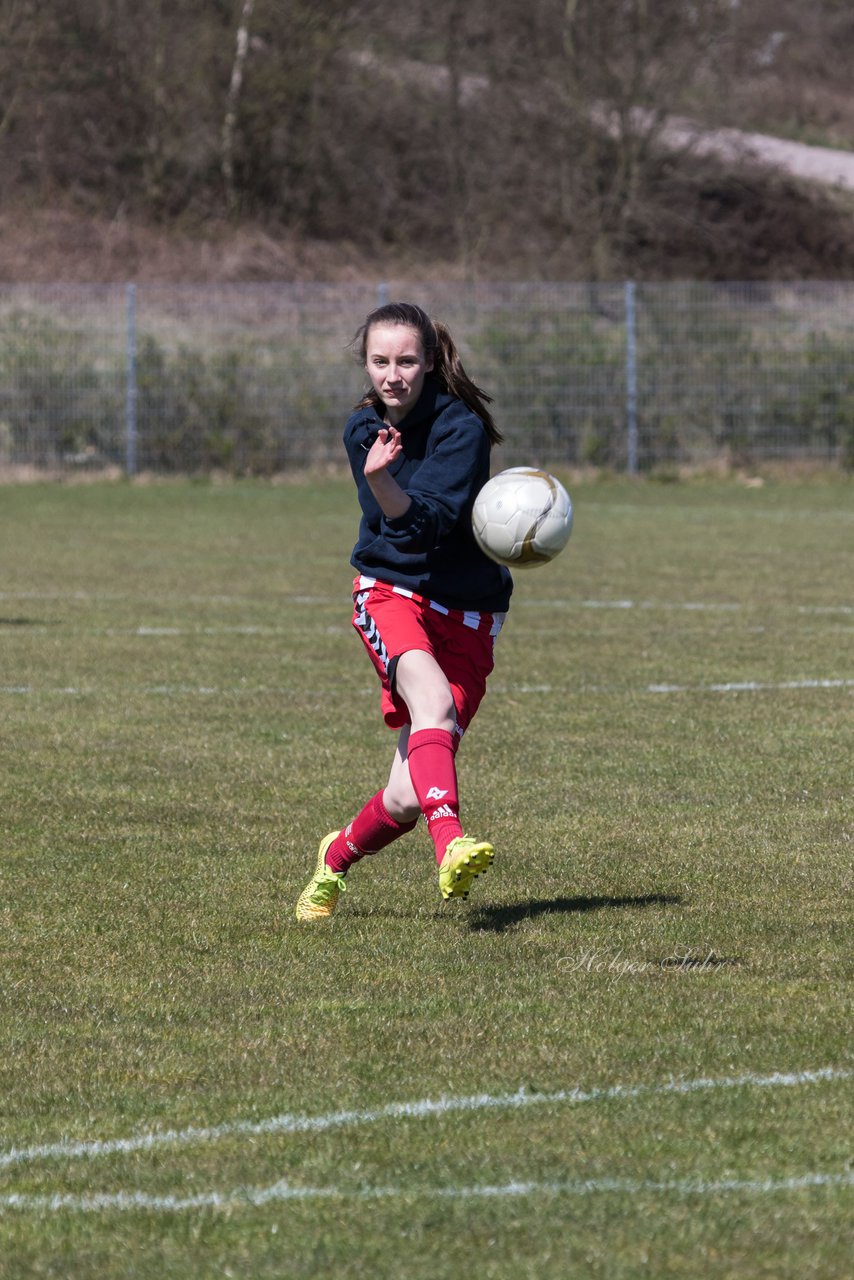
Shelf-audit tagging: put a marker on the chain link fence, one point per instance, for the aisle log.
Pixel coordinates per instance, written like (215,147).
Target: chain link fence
(258,379)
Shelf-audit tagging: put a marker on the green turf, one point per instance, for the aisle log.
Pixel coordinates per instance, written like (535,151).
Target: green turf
(186,711)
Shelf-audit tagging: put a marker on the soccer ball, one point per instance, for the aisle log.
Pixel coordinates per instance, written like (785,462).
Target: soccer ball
(522,517)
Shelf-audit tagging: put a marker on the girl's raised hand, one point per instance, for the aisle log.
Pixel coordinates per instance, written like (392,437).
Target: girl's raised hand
(383,451)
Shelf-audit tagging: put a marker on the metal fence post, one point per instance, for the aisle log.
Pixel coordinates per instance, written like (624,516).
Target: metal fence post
(130,381)
(382,295)
(631,379)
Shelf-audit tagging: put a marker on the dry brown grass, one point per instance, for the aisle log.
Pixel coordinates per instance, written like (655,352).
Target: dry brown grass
(62,244)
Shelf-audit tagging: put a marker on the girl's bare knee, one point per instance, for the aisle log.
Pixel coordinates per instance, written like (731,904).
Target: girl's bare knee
(424,688)
(400,804)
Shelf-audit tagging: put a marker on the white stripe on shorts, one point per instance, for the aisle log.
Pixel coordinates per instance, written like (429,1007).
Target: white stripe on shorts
(471,618)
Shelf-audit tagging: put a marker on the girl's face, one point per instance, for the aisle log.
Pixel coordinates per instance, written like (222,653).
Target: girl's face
(397,366)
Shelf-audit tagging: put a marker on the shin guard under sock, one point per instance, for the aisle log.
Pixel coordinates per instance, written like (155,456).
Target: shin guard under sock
(434,777)
(371,830)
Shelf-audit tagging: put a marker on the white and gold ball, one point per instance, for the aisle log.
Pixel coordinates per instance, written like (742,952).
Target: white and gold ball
(522,517)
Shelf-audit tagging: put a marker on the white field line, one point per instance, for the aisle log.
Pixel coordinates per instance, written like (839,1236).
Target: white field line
(102,597)
(750,686)
(516,690)
(664,687)
(423,1108)
(341,602)
(700,513)
(278,1192)
(521,600)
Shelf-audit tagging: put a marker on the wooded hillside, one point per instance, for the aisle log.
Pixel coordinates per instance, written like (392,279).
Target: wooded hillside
(290,139)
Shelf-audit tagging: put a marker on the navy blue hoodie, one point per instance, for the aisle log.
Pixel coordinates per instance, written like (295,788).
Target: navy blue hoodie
(431,549)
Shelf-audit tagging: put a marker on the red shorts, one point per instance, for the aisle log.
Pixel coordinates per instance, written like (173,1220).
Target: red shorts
(392,620)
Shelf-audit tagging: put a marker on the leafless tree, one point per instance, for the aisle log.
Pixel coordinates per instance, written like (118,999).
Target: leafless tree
(241,49)
(624,67)
(490,134)
(18,32)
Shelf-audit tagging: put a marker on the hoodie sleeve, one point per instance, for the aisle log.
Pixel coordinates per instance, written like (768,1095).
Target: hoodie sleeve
(445,484)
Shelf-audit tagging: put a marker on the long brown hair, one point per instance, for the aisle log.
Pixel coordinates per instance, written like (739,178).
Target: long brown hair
(438,343)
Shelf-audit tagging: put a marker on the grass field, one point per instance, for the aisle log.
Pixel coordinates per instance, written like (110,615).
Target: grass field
(629,1053)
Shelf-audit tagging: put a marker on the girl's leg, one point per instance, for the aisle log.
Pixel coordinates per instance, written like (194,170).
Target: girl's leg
(399,795)
(460,858)
(372,829)
(430,749)
(422,779)
(423,686)
(389,814)
(432,773)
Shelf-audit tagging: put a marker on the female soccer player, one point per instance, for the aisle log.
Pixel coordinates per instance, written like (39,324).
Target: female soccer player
(428,603)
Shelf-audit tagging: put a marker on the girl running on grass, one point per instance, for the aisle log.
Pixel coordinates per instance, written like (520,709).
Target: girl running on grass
(428,603)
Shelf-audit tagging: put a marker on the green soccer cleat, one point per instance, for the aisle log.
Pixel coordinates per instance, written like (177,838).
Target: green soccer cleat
(320,896)
(464,859)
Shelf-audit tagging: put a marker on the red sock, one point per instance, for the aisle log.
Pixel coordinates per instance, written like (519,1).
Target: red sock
(434,777)
(371,830)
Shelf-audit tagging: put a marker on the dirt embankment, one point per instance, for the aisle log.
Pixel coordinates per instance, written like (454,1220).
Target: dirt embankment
(50,243)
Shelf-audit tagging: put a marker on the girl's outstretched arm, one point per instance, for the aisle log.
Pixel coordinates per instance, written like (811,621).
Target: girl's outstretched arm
(393,500)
